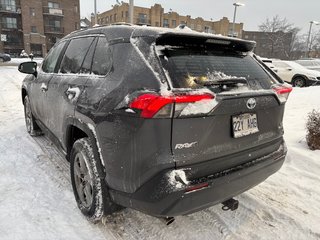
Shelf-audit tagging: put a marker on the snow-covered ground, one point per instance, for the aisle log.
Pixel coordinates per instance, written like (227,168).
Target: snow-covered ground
(36,200)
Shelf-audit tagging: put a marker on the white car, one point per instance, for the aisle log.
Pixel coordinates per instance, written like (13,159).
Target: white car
(312,64)
(296,74)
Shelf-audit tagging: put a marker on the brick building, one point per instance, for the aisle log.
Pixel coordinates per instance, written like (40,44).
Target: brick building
(155,16)
(271,44)
(36,25)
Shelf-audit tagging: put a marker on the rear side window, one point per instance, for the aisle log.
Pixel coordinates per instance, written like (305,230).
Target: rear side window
(75,55)
(49,64)
(102,60)
(187,66)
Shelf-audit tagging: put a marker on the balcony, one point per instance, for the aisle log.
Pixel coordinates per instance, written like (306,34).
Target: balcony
(53,11)
(5,8)
(10,27)
(13,45)
(53,29)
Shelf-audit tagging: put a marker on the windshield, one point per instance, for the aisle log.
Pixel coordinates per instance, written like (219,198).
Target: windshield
(190,68)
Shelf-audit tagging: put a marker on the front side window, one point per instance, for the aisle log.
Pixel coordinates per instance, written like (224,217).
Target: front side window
(75,55)
(49,64)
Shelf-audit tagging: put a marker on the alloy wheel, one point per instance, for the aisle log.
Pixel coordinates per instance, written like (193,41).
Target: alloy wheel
(83,181)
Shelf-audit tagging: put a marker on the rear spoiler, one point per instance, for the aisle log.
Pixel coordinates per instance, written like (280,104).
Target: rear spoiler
(174,39)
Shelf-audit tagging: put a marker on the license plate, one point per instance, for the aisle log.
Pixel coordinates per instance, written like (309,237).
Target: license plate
(244,124)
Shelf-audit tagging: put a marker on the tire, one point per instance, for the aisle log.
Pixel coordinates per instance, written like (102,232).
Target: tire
(299,82)
(90,191)
(32,127)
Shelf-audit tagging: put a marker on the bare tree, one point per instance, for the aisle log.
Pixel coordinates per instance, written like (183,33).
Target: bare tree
(281,34)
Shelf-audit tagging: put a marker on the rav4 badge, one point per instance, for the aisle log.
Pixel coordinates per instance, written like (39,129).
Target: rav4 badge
(185,145)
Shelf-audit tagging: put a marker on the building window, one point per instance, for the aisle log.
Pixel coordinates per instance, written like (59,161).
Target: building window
(107,19)
(111,18)
(165,23)
(8,5)
(127,14)
(142,18)
(53,5)
(199,27)
(115,17)
(122,15)
(33,29)
(174,23)
(157,24)
(8,22)
(32,12)
(207,29)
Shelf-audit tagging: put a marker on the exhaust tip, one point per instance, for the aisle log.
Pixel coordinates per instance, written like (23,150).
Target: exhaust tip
(167,220)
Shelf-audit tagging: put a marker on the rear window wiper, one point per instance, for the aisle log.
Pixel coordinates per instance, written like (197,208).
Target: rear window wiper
(224,81)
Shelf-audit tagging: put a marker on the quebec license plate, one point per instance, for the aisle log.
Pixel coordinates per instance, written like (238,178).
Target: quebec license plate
(244,124)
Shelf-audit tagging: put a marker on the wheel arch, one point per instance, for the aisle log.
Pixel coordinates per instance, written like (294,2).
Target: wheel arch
(77,130)
(297,76)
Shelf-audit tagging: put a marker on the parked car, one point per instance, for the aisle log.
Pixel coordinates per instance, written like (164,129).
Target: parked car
(312,64)
(164,121)
(5,57)
(296,74)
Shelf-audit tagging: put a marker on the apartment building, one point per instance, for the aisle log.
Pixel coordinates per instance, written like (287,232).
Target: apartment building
(36,25)
(155,16)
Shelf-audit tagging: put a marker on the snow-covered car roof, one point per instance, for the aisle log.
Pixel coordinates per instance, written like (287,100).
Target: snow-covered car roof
(114,32)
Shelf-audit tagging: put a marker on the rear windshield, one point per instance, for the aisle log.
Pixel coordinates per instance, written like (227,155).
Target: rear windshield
(188,67)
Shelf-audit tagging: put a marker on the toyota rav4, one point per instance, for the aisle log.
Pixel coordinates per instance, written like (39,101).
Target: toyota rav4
(164,121)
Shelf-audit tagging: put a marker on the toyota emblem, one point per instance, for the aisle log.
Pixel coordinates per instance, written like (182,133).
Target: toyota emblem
(251,103)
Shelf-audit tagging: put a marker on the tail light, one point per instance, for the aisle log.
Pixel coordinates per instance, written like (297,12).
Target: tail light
(282,91)
(152,105)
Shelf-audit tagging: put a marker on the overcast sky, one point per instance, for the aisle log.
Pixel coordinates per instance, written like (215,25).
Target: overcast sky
(299,12)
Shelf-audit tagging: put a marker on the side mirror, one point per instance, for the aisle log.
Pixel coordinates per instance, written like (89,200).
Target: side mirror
(28,68)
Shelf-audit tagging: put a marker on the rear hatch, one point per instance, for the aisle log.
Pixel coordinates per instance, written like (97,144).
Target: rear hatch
(245,109)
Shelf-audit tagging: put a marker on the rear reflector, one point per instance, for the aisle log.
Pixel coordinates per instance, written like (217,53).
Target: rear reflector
(197,187)
(150,103)
(282,91)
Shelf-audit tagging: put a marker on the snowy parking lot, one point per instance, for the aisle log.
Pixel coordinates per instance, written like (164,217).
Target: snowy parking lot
(36,199)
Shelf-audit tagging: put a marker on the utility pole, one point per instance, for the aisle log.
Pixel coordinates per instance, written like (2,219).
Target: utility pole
(131,11)
(95,12)
(234,16)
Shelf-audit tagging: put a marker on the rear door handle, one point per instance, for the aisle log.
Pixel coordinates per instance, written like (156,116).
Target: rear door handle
(44,87)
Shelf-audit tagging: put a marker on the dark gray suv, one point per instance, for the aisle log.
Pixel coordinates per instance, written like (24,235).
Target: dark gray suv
(164,121)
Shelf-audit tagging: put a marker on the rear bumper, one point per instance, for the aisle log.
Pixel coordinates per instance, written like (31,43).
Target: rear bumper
(165,194)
